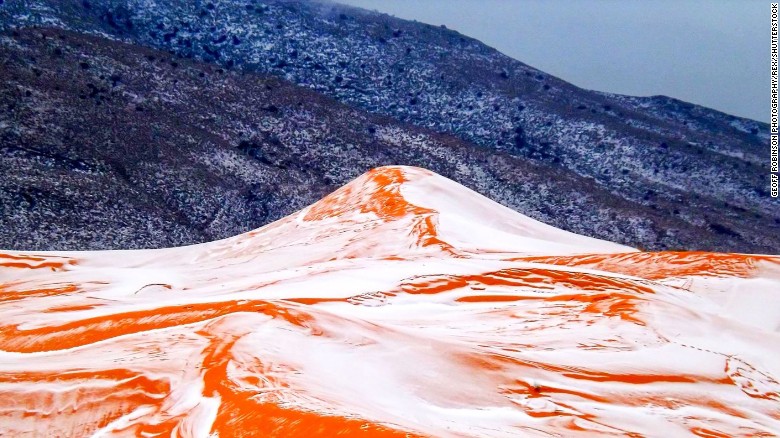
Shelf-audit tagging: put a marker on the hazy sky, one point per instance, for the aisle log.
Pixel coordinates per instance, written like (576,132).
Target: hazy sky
(710,52)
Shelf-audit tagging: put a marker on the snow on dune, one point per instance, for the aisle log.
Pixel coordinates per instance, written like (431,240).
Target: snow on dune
(402,304)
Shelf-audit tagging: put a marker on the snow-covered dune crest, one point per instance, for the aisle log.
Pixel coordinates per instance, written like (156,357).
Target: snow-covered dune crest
(402,304)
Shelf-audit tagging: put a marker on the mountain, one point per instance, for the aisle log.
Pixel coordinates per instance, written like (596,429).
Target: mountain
(109,145)
(402,304)
(651,172)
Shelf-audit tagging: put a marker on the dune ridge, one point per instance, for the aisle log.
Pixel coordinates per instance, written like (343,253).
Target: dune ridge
(403,304)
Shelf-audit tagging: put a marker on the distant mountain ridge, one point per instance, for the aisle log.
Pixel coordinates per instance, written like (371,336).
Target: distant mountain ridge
(694,178)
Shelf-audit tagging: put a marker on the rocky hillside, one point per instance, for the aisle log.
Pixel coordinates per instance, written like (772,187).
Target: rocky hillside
(651,172)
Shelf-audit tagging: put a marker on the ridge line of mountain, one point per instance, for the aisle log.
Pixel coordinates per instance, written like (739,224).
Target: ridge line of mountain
(694,174)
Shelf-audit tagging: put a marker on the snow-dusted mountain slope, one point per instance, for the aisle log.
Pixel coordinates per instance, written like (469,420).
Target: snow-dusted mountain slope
(89,104)
(402,304)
